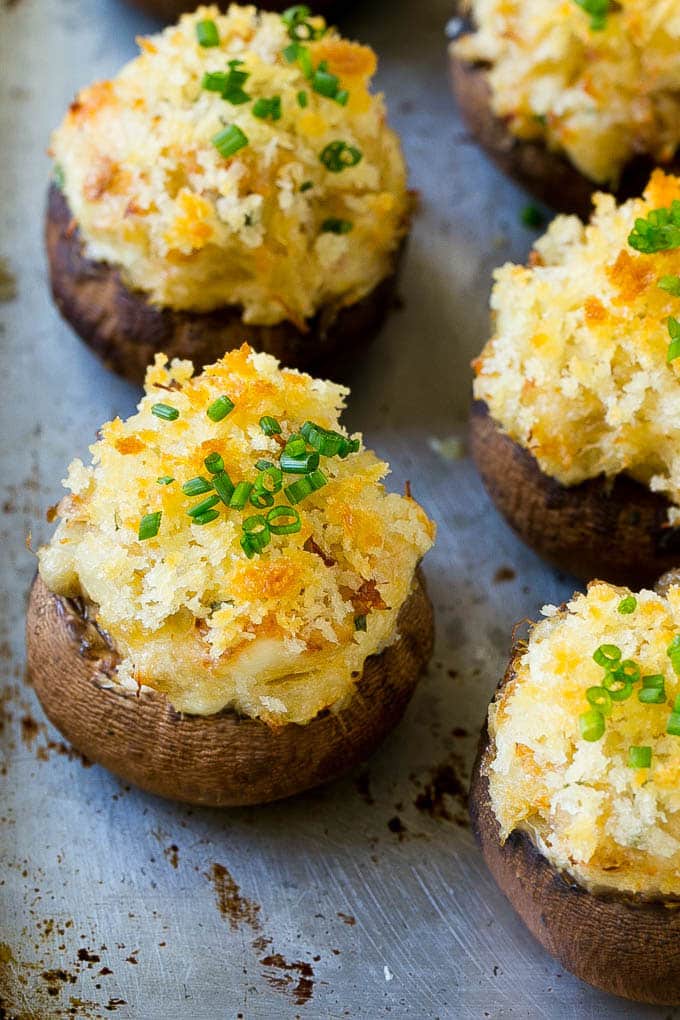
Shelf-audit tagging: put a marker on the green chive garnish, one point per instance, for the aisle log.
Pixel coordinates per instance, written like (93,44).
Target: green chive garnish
(165,480)
(197,486)
(659,231)
(230,140)
(627,670)
(256,530)
(673,724)
(601,699)
(671,284)
(261,499)
(299,490)
(360,622)
(262,465)
(220,408)
(673,351)
(284,520)
(607,655)
(300,53)
(214,463)
(591,724)
(240,495)
(342,97)
(598,11)
(206,518)
(267,109)
(335,226)
(224,487)
(296,19)
(299,465)
(149,525)
(302,98)
(202,508)
(639,757)
(619,688)
(653,690)
(338,155)
(207,34)
(295,445)
(269,425)
(165,412)
(325,83)
(627,605)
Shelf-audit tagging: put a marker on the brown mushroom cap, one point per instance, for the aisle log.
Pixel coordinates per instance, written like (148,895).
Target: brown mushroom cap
(546,174)
(126,330)
(614,529)
(224,759)
(619,943)
(170,10)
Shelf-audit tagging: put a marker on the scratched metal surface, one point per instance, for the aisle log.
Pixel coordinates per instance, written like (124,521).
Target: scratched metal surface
(365,899)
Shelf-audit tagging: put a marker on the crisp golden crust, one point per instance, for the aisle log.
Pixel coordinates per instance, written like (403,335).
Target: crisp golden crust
(279,224)
(280,634)
(127,331)
(222,760)
(577,370)
(616,529)
(601,96)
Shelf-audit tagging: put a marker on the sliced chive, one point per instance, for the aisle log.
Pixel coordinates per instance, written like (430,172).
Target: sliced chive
(240,495)
(230,140)
(627,605)
(197,486)
(202,508)
(269,425)
(336,226)
(342,97)
(262,465)
(302,98)
(165,412)
(600,698)
(591,724)
(325,83)
(327,442)
(673,724)
(284,520)
(296,52)
(317,479)
(224,487)
(671,284)
(302,465)
(261,499)
(296,20)
(338,155)
(653,690)
(149,525)
(206,518)
(257,531)
(360,622)
(214,81)
(620,689)
(639,757)
(270,478)
(165,480)
(298,490)
(673,653)
(248,547)
(607,655)
(674,333)
(267,109)
(295,446)
(220,408)
(627,670)
(214,463)
(207,34)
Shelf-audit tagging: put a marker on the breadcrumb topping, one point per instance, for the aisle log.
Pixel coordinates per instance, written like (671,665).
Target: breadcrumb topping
(591,813)
(278,636)
(576,371)
(196,229)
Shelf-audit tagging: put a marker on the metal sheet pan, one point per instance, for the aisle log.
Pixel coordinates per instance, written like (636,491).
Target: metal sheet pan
(365,899)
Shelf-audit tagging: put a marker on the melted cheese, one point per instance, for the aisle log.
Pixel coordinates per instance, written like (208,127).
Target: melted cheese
(272,636)
(194,230)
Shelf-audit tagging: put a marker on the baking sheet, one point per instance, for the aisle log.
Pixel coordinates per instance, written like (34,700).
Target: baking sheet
(364,899)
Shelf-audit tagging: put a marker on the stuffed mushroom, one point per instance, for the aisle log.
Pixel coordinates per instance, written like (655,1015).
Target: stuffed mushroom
(236,181)
(574,795)
(230,609)
(571,95)
(576,421)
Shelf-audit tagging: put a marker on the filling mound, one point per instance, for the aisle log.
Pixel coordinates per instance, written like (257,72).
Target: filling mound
(582,369)
(238,546)
(585,740)
(598,81)
(241,159)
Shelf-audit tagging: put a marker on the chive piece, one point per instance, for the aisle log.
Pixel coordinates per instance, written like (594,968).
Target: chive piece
(224,487)
(214,463)
(348,446)
(207,34)
(598,11)
(256,530)
(653,690)
(658,231)
(532,216)
(627,605)
(206,518)
(301,54)
(165,412)
(267,109)
(269,425)
(673,724)
(284,520)
(302,98)
(220,408)
(627,670)
(600,698)
(673,653)
(607,655)
(342,97)
(165,480)
(202,508)
(261,499)
(229,140)
(326,441)
(591,725)
(639,757)
(338,155)
(317,480)
(214,81)
(360,622)
(197,486)
(325,83)
(240,495)
(296,19)
(674,346)
(247,546)
(298,490)
(270,478)
(262,465)
(671,284)
(336,226)
(295,445)
(620,689)
(233,87)
(149,525)
(306,186)
(299,465)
